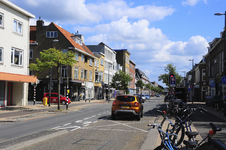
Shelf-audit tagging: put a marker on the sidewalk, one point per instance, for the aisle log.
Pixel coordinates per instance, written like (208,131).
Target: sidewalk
(151,142)
(20,113)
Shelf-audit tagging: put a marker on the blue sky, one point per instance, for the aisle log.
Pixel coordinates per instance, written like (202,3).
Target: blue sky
(155,32)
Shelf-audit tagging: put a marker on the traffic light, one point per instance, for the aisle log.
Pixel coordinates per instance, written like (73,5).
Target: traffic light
(172,80)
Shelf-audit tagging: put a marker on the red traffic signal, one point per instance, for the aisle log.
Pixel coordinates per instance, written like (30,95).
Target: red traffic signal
(172,80)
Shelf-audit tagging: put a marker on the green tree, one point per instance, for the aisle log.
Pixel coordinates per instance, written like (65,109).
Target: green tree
(120,81)
(140,84)
(147,86)
(170,68)
(53,58)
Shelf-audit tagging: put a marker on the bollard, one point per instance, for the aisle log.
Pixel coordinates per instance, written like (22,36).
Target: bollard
(44,101)
(67,105)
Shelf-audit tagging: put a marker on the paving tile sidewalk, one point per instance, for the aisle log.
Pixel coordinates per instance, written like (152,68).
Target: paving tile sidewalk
(152,141)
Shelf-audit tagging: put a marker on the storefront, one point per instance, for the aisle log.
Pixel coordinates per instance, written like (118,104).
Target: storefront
(14,89)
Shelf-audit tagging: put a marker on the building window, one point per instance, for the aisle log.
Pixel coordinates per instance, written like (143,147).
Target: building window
(85,74)
(203,74)
(97,63)
(64,70)
(82,73)
(203,88)
(98,76)
(31,72)
(16,56)
(17,26)
(82,58)
(31,54)
(76,73)
(1,20)
(90,76)
(90,61)
(64,50)
(1,51)
(51,34)
(76,56)
(102,61)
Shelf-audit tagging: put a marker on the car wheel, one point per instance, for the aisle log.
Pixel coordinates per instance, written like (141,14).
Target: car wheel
(142,114)
(139,116)
(113,116)
(63,102)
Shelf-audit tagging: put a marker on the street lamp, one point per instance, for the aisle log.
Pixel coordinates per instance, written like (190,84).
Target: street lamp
(220,14)
(192,62)
(50,76)
(108,95)
(192,80)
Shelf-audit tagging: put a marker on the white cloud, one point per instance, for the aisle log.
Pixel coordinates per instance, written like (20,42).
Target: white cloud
(192,2)
(115,9)
(79,12)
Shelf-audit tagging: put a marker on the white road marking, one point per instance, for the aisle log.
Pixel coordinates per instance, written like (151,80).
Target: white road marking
(66,124)
(129,126)
(87,122)
(75,128)
(78,121)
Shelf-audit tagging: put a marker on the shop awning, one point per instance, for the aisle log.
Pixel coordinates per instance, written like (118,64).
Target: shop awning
(17,77)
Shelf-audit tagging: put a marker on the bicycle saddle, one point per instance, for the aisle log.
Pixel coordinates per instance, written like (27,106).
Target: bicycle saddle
(214,127)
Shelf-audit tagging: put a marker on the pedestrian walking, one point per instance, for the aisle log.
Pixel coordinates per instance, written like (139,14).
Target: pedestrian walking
(216,101)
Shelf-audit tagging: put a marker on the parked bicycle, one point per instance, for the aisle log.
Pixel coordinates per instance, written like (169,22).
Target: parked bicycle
(210,144)
(166,143)
(183,120)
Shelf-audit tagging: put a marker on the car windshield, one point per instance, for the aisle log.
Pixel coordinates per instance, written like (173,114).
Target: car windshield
(126,98)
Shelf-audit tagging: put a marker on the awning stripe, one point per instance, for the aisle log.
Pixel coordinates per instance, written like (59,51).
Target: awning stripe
(17,77)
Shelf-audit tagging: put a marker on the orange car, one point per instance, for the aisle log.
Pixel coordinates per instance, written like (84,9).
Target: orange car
(127,105)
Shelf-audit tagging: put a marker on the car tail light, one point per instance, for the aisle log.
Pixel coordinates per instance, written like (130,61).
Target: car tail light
(114,103)
(136,104)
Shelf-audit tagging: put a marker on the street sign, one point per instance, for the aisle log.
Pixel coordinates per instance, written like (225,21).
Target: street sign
(223,79)
(172,80)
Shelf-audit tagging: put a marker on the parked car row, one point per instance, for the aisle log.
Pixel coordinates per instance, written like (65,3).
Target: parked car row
(143,96)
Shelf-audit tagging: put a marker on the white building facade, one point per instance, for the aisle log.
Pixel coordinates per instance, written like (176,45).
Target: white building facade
(14,54)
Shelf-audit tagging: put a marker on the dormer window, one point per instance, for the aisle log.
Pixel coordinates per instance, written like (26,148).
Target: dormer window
(51,34)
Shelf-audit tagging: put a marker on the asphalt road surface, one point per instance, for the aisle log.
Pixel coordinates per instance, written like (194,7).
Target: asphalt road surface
(88,128)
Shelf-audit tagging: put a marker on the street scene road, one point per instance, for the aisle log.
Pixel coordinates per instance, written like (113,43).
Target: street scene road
(90,127)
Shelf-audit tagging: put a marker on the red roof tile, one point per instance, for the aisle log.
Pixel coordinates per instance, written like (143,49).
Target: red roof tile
(68,35)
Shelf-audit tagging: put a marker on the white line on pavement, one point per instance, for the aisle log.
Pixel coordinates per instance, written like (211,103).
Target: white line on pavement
(66,124)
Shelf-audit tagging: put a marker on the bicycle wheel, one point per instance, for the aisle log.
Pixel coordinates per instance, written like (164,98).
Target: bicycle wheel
(178,129)
(204,146)
(160,147)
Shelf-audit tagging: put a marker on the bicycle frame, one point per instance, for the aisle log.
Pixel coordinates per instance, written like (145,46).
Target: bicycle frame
(165,140)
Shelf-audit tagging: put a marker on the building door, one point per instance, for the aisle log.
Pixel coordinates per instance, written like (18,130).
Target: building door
(2,95)
(9,94)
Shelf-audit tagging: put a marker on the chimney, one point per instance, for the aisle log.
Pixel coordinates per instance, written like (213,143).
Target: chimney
(39,24)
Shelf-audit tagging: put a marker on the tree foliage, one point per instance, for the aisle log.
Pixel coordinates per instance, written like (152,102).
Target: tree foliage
(120,81)
(170,68)
(140,84)
(53,58)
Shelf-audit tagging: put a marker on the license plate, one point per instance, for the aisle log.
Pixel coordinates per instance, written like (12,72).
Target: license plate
(125,107)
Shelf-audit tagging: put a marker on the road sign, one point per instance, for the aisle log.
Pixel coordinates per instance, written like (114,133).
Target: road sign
(223,79)
(172,80)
